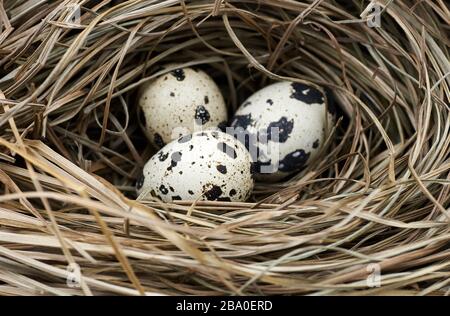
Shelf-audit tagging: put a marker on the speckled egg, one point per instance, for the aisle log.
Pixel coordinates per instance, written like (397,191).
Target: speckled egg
(283,125)
(181,102)
(209,165)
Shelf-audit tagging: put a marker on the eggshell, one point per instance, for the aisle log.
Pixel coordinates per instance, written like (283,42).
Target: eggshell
(284,126)
(181,102)
(209,165)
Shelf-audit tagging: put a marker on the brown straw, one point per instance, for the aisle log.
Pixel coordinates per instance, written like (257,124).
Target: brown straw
(370,217)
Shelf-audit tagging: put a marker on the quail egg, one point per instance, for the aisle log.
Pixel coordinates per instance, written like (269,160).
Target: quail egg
(181,102)
(283,126)
(209,165)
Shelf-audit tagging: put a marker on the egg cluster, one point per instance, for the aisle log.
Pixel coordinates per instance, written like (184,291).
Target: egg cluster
(275,132)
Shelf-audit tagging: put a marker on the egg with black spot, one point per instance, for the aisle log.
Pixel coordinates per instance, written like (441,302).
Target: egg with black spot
(207,165)
(179,102)
(284,126)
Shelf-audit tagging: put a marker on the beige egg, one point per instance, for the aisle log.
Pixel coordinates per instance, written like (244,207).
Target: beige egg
(283,126)
(181,102)
(208,165)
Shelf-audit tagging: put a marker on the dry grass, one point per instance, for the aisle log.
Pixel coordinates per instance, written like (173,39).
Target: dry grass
(71,147)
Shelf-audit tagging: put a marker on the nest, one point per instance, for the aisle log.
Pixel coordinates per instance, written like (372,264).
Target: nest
(371,216)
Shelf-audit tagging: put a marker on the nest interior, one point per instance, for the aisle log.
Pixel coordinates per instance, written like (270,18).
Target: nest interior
(369,217)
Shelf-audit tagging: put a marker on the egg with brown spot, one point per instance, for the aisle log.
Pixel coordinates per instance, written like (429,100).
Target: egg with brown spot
(215,166)
(284,126)
(180,102)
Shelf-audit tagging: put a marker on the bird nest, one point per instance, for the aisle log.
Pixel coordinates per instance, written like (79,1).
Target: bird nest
(371,216)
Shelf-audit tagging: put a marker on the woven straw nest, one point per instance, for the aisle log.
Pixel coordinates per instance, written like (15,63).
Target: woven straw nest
(72,145)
